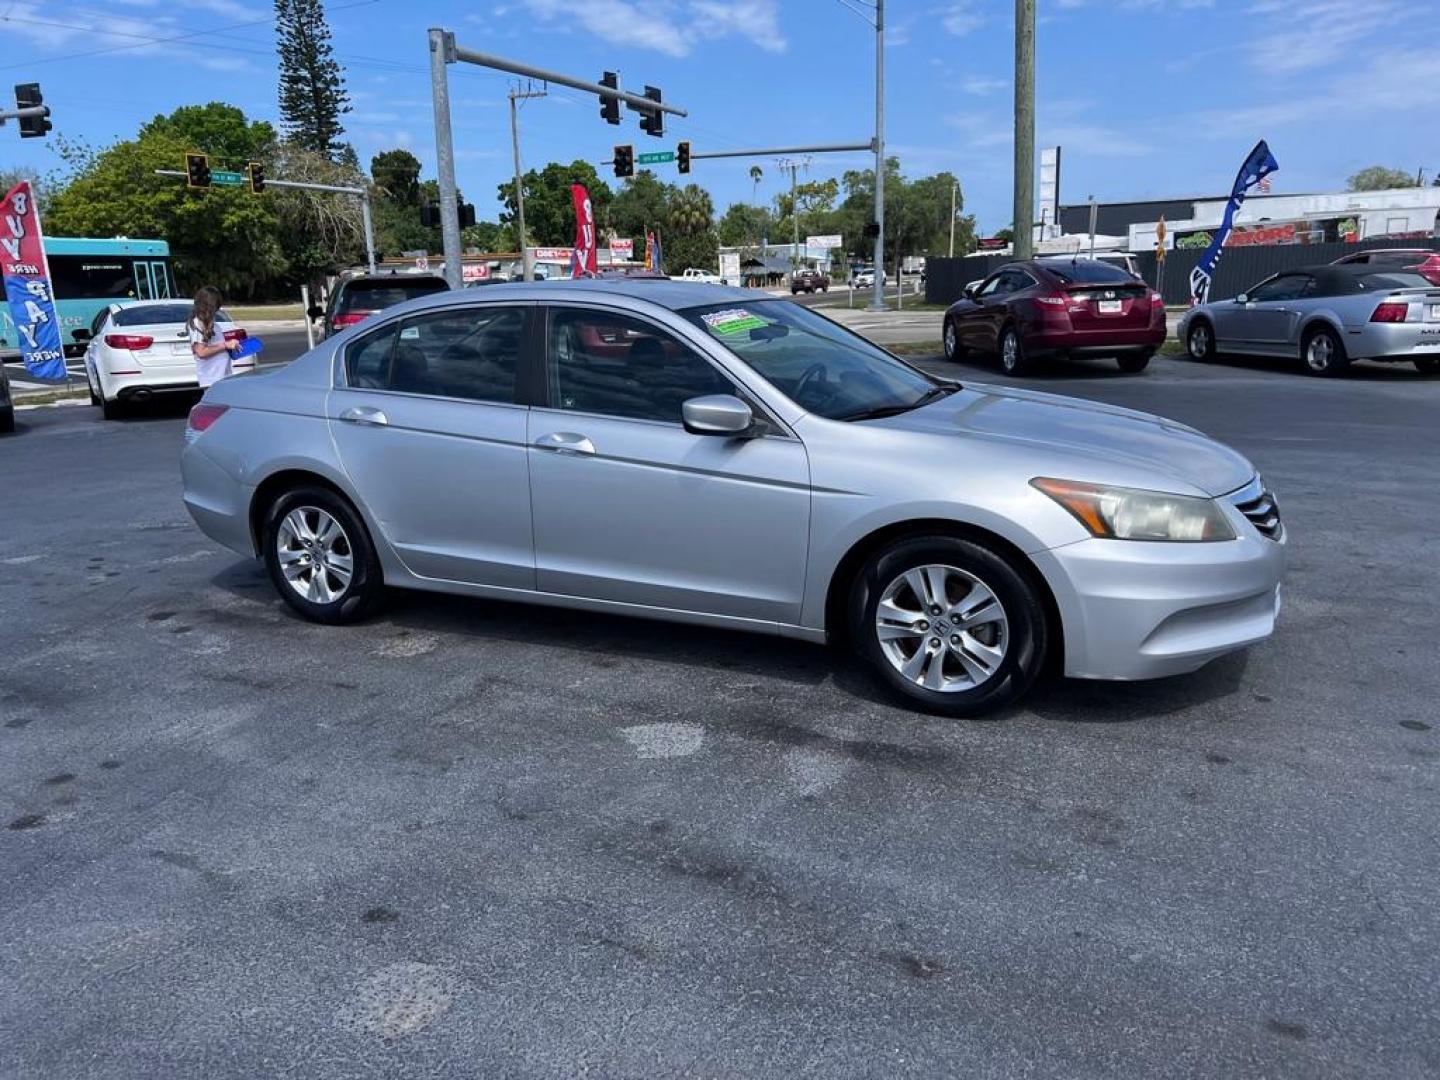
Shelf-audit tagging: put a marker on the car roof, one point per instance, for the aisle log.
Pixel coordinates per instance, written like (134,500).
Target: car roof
(675,295)
(392,278)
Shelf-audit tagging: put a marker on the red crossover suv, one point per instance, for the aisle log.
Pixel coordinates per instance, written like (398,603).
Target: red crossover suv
(1423,261)
(1028,310)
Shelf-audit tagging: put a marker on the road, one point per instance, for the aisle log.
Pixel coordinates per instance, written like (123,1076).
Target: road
(473,839)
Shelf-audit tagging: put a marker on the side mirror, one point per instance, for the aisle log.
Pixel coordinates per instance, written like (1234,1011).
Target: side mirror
(315,312)
(970,292)
(81,334)
(717,414)
(1243,298)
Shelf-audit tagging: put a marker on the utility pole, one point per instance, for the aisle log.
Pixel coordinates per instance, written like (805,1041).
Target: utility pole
(1024,129)
(877,299)
(954,191)
(527,262)
(442,52)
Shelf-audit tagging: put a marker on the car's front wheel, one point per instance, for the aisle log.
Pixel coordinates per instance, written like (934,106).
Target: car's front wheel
(949,625)
(1012,353)
(1324,353)
(320,557)
(951,341)
(1428,365)
(1200,341)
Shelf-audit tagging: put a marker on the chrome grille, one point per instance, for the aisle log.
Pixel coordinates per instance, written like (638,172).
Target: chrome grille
(1259,507)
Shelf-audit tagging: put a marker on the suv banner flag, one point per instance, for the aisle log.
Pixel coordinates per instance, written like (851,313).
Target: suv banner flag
(1258,165)
(583,261)
(27,285)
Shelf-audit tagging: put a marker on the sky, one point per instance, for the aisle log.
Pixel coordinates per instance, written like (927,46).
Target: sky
(1147,98)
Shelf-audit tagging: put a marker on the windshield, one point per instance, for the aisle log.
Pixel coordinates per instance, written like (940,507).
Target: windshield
(817,364)
(1086,272)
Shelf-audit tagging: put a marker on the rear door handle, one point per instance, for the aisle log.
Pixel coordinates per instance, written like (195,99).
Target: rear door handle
(565,442)
(365,415)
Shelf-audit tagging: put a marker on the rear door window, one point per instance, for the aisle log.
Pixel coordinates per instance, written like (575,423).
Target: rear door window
(471,353)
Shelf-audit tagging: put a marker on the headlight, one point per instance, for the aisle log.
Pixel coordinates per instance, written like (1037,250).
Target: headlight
(1132,514)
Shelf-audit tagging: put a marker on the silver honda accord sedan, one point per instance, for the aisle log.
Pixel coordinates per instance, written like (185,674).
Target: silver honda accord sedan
(713,456)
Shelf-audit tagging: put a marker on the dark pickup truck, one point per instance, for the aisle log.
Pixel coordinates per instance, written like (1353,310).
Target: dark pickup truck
(808,281)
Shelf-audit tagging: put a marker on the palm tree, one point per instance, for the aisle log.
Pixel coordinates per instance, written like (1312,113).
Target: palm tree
(691,211)
(755,174)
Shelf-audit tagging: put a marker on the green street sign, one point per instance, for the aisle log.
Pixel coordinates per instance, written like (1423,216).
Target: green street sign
(225,178)
(660,157)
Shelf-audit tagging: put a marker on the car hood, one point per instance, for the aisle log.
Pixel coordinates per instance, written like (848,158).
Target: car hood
(1083,431)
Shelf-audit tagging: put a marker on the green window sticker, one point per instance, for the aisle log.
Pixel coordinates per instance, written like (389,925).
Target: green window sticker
(733,321)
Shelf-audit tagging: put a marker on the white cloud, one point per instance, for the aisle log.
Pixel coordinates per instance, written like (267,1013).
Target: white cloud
(960,17)
(983,85)
(671,27)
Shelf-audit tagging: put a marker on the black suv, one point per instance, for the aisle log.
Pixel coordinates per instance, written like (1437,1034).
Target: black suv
(354,299)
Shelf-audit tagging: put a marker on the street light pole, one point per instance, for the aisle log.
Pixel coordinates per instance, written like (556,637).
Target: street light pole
(877,298)
(954,191)
(1024,227)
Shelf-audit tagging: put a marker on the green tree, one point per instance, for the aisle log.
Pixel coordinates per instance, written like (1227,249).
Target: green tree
(1379,178)
(549,209)
(691,239)
(397,176)
(743,225)
(312,87)
(643,203)
(218,130)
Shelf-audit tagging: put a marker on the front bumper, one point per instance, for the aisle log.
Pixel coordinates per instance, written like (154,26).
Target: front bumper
(1140,610)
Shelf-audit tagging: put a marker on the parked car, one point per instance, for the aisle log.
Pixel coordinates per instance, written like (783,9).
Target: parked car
(7,403)
(355,298)
(140,348)
(704,277)
(1324,316)
(1421,260)
(809,281)
(1026,311)
(700,454)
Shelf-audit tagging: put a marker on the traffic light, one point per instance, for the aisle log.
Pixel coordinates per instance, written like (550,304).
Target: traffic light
(610,106)
(257,177)
(652,122)
(27,95)
(430,215)
(624,161)
(467,214)
(682,155)
(197,170)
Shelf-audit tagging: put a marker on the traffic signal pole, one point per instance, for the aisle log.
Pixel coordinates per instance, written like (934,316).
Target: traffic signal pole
(443,51)
(334,189)
(877,298)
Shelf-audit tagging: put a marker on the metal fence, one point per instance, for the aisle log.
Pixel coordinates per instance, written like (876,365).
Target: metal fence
(1239,267)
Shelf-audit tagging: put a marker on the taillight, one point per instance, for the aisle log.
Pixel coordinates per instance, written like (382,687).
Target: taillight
(1053,301)
(1390,312)
(349,318)
(203,415)
(129,341)
(1156,300)
(235,335)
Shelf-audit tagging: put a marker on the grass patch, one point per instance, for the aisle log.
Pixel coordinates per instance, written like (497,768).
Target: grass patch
(23,399)
(1171,348)
(914,348)
(264,312)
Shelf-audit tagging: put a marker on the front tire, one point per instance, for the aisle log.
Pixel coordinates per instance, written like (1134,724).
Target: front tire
(1013,360)
(1428,365)
(949,626)
(1134,363)
(320,557)
(1200,341)
(1323,353)
(950,340)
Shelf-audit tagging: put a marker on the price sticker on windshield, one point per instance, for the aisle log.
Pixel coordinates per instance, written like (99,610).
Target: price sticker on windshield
(733,321)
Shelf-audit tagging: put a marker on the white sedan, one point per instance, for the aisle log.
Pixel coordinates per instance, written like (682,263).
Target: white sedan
(139,349)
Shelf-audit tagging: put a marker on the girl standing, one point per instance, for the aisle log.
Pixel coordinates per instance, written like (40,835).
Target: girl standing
(211,350)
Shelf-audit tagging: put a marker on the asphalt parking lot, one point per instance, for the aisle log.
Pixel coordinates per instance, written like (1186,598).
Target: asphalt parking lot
(478,839)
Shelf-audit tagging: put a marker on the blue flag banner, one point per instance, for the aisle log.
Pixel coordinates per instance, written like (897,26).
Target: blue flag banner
(27,285)
(1260,164)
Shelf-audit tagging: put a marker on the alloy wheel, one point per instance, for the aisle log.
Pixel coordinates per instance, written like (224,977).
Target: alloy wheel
(949,341)
(942,628)
(1009,351)
(1199,343)
(1320,353)
(314,554)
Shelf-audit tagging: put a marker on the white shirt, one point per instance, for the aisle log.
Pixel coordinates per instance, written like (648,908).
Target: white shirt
(210,369)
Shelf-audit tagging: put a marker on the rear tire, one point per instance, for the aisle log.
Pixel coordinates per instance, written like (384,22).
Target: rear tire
(1428,365)
(1013,360)
(1200,341)
(7,421)
(944,662)
(1323,353)
(1134,363)
(111,410)
(94,397)
(320,557)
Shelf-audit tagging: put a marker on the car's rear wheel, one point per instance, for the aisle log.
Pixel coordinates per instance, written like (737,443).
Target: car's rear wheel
(320,557)
(1200,341)
(1428,365)
(1134,363)
(1012,353)
(7,420)
(111,408)
(90,385)
(949,625)
(1324,353)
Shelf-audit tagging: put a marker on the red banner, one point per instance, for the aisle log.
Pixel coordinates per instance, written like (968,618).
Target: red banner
(27,285)
(583,261)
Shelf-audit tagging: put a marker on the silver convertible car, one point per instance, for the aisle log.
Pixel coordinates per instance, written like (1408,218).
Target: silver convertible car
(707,455)
(1324,316)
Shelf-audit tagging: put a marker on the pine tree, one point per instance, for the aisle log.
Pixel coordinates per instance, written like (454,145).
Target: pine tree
(312,87)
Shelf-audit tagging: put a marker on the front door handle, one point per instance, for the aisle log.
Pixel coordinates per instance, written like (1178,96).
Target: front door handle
(565,442)
(365,415)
